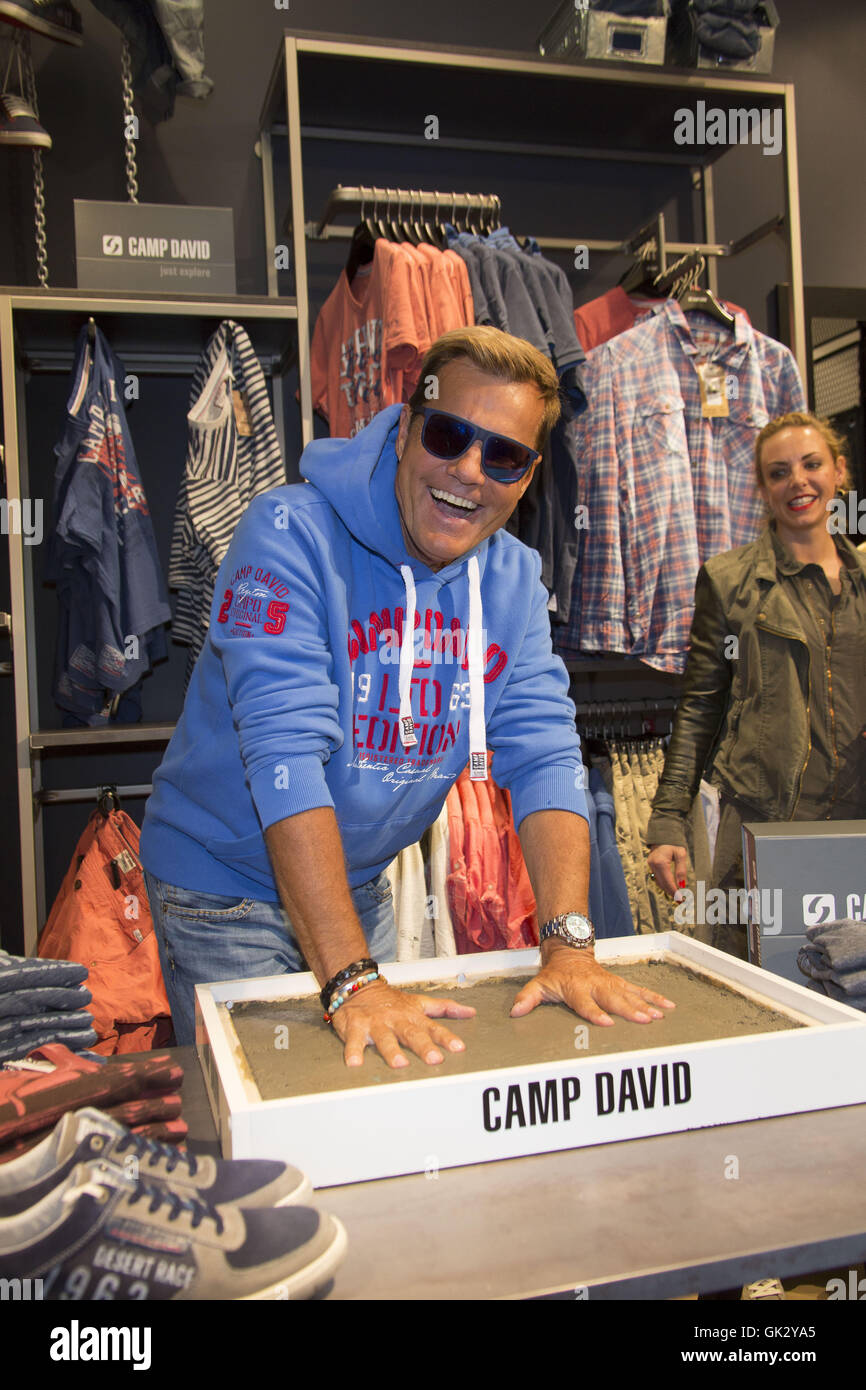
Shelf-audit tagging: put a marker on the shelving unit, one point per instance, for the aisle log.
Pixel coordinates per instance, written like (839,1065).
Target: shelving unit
(37,333)
(320,90)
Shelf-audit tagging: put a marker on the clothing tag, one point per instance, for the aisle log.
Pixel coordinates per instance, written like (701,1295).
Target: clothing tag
(242,413)
(714,400)
(124,861)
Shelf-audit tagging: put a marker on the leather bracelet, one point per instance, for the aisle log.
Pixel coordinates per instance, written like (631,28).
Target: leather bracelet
(348,990)
(358,967)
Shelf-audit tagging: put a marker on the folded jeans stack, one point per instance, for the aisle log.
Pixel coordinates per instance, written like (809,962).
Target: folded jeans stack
(835,960)
(142,1094)
(42,1001)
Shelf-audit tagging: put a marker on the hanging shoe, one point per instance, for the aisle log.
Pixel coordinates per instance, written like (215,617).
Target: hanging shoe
(18,125)
(56,19)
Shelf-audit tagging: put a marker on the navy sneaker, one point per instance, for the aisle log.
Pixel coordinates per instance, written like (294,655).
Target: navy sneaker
(18,125)
(56,19)
(101,1234)
(88,1136)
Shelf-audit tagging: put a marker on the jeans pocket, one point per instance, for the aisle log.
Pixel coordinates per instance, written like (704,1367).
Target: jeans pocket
(379,888)
(192,905)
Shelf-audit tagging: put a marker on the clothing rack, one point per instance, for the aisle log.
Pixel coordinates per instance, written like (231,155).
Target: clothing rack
(357,199)
(77,794)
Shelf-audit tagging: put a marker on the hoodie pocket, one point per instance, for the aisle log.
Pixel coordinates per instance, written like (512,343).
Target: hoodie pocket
(248,855)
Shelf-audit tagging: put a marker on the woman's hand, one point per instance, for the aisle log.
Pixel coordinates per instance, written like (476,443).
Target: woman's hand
(668,865)
(390,1018)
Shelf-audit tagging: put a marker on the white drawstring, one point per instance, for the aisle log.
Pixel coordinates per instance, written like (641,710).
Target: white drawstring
(407,662)
(477,722)
(475,652)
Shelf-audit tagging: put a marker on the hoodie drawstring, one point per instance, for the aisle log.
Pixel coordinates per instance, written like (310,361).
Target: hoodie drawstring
(407,661)
(475,643)
(477,722)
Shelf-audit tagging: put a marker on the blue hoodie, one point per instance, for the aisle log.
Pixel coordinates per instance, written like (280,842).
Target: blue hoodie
(295,701)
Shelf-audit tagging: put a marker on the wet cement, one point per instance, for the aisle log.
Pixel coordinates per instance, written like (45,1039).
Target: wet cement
(290,1051)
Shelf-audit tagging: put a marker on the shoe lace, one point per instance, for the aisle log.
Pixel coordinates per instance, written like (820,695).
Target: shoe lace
(15,105)
(153,1152)
(177,1202)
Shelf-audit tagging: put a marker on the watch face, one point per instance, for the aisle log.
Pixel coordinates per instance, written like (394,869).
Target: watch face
(578,926)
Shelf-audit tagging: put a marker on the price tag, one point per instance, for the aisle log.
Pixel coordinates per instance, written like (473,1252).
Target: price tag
(714,400)
(242,413)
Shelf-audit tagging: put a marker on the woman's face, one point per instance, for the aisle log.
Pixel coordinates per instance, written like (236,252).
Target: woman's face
(800,477)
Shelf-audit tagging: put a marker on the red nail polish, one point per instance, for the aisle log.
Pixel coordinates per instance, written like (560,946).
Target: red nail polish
(682,883)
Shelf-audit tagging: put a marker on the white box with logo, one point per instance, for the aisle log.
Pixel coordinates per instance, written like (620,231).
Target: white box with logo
(805,873)
(351,1135)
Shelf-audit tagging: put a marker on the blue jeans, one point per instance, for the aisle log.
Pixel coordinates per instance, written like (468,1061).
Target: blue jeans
(204,937)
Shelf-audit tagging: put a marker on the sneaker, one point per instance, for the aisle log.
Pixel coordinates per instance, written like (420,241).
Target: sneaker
(88,1136)
(56,19)
(18,125)
(103,1235)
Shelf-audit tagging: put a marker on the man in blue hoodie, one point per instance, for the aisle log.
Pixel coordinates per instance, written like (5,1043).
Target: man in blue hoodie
(371,631)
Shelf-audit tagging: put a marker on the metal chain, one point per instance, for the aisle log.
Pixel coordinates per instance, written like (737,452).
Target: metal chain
(38,179)
(130,122)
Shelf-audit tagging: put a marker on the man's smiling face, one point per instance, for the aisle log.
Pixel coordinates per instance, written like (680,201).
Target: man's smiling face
(448,508)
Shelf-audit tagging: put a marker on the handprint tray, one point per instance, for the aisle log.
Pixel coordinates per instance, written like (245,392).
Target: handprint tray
(741,1044)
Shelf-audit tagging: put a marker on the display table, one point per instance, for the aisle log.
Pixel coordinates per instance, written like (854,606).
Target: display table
(642,1219)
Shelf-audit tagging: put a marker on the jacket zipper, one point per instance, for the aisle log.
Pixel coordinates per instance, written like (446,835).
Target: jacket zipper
(808,712)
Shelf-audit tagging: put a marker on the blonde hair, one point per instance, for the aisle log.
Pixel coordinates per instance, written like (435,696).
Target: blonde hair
(803,419)
(499,354)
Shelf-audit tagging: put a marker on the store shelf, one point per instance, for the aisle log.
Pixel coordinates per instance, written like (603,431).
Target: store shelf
(114,734)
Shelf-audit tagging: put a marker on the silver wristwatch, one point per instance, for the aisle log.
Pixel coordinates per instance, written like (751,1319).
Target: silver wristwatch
(572,928)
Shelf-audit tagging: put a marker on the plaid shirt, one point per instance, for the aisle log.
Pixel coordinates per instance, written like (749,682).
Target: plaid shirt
(663,487)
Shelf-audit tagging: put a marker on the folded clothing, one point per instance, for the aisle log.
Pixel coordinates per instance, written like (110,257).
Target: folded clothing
(841,943)
(155,1116)
(28,972)
(35,1000)
(34,1100)
(75,1039)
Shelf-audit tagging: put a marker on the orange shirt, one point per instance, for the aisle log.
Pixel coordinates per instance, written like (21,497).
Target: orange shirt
(367,336)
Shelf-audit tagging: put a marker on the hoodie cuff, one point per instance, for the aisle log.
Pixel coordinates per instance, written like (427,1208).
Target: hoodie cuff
(289,786)
(549,789)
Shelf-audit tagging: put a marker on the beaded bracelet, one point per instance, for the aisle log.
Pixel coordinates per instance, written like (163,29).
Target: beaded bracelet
(347,991)
(349,972)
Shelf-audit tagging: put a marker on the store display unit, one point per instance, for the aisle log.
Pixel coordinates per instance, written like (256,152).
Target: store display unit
(440,1120)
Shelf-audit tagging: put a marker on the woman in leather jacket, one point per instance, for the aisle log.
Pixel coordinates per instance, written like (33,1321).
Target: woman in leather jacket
(774,698)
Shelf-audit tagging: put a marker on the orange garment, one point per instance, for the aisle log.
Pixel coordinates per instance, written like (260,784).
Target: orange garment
(489,893)
(101,918)
(367,336)
(447,291)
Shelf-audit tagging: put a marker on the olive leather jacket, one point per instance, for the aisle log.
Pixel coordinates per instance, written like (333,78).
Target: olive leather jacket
(746,697)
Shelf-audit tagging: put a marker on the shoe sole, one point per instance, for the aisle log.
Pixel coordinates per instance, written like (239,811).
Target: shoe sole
(26,141)
(306,1282)
(301,1197)
(15,14)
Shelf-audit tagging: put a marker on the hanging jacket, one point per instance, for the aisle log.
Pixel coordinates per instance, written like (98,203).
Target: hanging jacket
(101,552)
(339,673)
(101,918)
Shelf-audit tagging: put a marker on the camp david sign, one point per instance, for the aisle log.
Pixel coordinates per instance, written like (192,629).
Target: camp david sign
(155,248)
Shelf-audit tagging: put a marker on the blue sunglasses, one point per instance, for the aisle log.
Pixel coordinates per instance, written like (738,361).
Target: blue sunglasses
(449,437)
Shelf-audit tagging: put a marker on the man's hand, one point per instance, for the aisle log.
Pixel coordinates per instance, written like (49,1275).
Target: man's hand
(575,978)
(389,1018)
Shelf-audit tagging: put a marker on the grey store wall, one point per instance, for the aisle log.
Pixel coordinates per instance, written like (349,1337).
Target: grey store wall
(205,155)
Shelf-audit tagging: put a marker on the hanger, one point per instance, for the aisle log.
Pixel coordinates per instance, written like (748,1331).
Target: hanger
(91,331)
(107,799)
(693,299)
(470,212)
(363,245)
